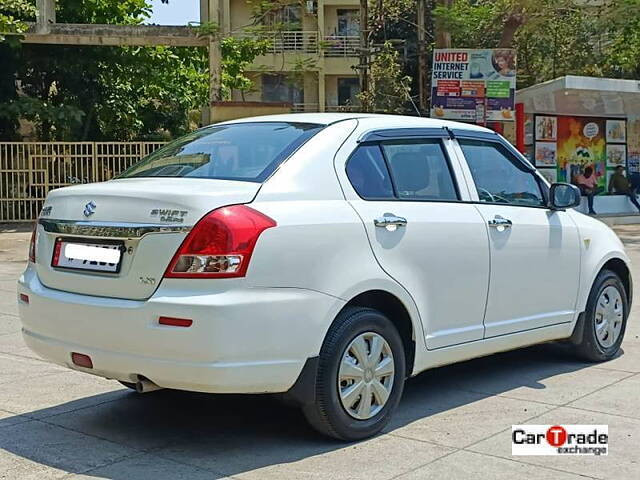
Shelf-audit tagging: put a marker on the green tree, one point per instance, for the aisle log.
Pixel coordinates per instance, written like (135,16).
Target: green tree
(121,93)
(552,37)
(237,55)
(389,90)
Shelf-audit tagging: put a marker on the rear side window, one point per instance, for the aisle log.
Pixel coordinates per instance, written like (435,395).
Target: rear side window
(420,170)
(417,170)
(368,173)
(241,151)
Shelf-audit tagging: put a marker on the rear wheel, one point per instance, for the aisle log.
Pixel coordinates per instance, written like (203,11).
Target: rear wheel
(605,318)
(360,377)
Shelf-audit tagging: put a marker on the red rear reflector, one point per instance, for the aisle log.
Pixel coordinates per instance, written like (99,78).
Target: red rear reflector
(175,322)
(24,298)
(81,360)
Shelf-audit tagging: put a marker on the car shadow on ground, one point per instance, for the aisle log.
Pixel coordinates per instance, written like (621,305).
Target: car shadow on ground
(233,434)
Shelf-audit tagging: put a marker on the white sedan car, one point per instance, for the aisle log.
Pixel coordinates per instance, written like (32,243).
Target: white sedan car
(324,256)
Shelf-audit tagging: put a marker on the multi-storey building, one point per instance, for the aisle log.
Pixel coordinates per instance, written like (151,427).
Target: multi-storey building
(313,49)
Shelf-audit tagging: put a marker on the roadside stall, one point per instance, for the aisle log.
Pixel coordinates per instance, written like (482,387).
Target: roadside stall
(574,125)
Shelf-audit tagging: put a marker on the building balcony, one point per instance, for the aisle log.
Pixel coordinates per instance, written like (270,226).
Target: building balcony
(298,41)
(340,45)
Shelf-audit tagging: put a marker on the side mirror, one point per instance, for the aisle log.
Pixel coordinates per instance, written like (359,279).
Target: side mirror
(563,196)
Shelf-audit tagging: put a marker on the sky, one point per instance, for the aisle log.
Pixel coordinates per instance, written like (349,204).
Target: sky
(176,12)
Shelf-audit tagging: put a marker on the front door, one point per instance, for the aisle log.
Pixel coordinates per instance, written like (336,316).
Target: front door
(422,235)
(535,251)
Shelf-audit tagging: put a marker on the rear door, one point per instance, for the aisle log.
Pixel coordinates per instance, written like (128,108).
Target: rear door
(535,251)
(422,234)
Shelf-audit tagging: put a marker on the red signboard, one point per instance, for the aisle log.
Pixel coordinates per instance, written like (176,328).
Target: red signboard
(472,88)
(448,88)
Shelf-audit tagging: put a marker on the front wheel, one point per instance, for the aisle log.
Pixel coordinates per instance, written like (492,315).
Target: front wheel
(360,378)
(605,319)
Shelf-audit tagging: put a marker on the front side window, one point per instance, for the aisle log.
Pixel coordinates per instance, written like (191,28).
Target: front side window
(420,170)
(499,176)
(240,151)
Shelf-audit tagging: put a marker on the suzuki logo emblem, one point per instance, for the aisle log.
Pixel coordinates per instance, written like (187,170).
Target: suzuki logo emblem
(89,209)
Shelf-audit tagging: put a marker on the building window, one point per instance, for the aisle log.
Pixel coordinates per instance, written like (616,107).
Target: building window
(289,17)
(348,89)
(348,22)
(278,88)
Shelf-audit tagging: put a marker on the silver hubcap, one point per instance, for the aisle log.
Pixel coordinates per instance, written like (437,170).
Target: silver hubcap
(366,373)
(609,316)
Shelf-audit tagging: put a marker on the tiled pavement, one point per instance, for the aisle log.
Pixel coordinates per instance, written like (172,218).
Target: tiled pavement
(454,422)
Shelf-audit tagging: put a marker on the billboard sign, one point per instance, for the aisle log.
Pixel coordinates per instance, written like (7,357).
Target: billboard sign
(473,85)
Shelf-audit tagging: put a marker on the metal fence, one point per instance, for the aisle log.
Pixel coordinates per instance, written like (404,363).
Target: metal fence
(29,170)
(341,46)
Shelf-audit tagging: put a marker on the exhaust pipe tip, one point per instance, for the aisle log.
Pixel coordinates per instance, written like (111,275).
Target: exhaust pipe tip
(146,386)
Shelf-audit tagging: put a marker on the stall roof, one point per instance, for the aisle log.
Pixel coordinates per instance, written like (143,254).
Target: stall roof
(575,95)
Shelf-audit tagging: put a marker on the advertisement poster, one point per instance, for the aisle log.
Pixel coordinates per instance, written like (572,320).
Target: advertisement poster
(528,130)
(616,155)
(616,131)
(550,174)
(581,143)
(633,144)
(473,85)
(546,128)
(546,154)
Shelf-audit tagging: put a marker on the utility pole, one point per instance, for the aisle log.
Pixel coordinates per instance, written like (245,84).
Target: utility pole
(215,57)
(45,15)
(363,67)
(210,13)
(422,61)
(443,38)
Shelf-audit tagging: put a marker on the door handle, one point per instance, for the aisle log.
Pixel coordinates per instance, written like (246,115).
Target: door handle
(499,221)
(390,222)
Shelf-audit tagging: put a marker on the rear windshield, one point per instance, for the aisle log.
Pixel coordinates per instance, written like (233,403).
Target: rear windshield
(240,151)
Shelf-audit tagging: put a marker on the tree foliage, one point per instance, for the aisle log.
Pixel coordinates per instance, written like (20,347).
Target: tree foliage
(237,55)
(389,88)
(552,37)
(111,93)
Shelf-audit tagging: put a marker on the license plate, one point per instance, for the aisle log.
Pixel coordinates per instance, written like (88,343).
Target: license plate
(85,255)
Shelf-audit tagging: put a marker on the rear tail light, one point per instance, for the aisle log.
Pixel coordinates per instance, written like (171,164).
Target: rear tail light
(32,244)
(220,244)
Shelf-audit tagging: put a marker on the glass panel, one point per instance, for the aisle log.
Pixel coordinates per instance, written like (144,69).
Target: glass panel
(243,151)
(499,177)
(368,173)
(348,89)
(288,17)
(420,170)
(278,88)
(348,22)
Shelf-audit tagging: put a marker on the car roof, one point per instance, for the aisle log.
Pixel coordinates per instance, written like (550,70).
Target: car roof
(367,119)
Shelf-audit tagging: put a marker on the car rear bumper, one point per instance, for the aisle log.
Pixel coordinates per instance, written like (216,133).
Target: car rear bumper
(242,340)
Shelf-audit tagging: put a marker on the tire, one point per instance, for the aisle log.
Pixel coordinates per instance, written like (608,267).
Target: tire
(592,346)
(328,414)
